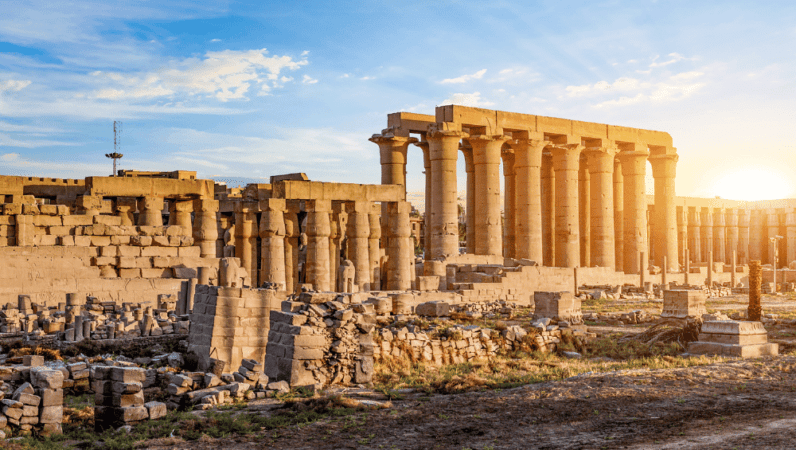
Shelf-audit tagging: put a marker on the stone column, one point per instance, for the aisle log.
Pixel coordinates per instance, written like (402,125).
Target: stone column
(486,158)
(584,211)
(682,233)
(443,149)
(665,219)
(205,227)
(469,167)
(292,233)
(619,216)
(565,164)
(731,231)
(151,212)
(125,207)
(548,189)
(528,218)
(399,247)
(392,150)
(790,223)
(317,269)
(773,230)
(246,232)
(719,237)
(601,180)
(695,234)
(509,205)
(334,249)
(180,214)
(634,169)
(272,236)
(357,233)
(373,245)
(427,207)
(707,231)
(743,236)
(756,224)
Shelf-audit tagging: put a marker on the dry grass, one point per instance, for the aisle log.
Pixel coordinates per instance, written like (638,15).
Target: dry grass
(48,353)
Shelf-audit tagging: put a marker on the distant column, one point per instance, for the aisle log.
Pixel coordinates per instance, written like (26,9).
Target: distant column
(584,211)
(682,233)
(429,198)
(743,236)
(731,222)
(719,236)
(601,180)
(469,212)
(374,250)
(125,207)
(773,230)
(665,220)
(151,212)
(443,149)
(634,169)
(756,225)
(565,164)
(292,234)
(528,166)
(357,233)
(548,210)
(392,151)
(246,232)
(399,247)
(488,229)
(180,214)
(318,243)
(334,244)
(619,217)
(707,231)
(272,236)
(205,227)
(790,223)
(509,205)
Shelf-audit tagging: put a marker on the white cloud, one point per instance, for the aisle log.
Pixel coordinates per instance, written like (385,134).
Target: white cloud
(366,78)
(6,141)
(305,53)
(462,99)
(675,57)
(13,85)
(620,85)
(225,75)
(308,80)
(465,78)
(215,40)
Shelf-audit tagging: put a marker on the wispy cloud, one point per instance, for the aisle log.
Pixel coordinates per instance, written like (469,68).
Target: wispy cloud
(6,141)
(13,85)
(474,99)
(465,78)
(225,75)
(308,80)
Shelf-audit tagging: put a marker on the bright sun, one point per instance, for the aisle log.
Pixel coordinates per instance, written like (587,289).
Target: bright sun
(753,183)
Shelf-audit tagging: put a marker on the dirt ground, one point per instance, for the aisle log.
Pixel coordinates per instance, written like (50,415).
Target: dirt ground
(737,404)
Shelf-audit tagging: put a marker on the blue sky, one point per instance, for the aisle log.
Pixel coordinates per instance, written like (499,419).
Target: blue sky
(250,89)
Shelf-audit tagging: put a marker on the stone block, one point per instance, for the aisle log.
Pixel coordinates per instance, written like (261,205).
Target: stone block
(46,378)
(51,397)
(51,414)
(433,309)
(33,360)
(681,304)
(156,409)
(428,283)
(132,413)
(128,374)
(559,306)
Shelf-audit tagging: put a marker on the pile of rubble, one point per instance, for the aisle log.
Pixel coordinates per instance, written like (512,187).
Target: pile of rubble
(489,310)
(75,320)
(32,397)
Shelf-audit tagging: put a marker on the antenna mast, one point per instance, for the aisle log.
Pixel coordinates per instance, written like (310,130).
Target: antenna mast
(117,145)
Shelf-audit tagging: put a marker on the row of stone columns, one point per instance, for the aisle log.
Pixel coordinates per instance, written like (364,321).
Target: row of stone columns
(746,232)
(566,205)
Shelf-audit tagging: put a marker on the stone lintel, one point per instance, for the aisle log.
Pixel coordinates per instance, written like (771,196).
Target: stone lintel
(314,190)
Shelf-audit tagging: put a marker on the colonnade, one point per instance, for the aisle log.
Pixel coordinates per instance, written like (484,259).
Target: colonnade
(569,201)
(746,232)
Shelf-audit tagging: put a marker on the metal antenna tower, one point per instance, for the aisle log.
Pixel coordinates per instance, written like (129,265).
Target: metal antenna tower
(117,144)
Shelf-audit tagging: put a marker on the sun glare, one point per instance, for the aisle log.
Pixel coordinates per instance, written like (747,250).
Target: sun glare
(754,183)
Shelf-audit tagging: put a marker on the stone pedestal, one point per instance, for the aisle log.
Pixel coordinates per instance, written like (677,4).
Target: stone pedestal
(733,338)
(682,304)
(557,306)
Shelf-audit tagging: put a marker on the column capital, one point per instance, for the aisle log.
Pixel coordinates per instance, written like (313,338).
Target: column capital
(391,140)
(731,217)
(664,166)
(600,159)
(566,156)
(273,204)
(528,151)
(718,218)
(245,207)
(743,218)
(633,162)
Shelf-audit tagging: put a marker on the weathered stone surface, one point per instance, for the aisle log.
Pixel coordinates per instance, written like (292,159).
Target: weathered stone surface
(681,304)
